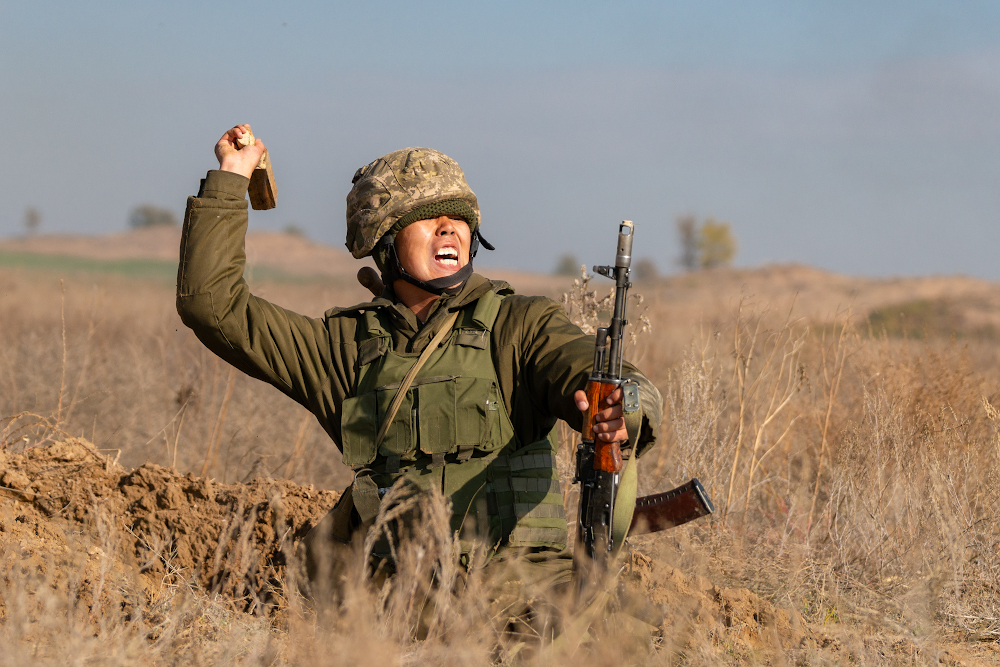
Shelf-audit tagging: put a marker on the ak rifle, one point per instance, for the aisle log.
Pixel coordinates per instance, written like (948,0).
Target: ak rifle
(599,465)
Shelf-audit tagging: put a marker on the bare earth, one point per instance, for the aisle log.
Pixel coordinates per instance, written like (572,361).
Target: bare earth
(57,495)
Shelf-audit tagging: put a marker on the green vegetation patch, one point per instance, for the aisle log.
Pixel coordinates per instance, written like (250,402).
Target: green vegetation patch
(140,269)
(926,318)
(150,269)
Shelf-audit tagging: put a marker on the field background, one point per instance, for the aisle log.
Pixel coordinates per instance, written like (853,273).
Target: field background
(845,428)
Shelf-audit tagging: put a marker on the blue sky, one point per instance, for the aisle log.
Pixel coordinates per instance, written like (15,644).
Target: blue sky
(861,137)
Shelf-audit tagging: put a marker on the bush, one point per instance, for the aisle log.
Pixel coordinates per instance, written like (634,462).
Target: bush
(148,215)
(568,265)
(717,244)
(707,245)
(645,269)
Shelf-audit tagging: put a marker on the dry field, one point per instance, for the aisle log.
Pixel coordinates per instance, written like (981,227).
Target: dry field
(152,499)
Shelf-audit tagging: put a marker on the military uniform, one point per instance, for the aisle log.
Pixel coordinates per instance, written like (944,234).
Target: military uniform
(476,423)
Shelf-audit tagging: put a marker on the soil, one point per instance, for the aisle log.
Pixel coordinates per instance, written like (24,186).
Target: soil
(69,504)
(67,500)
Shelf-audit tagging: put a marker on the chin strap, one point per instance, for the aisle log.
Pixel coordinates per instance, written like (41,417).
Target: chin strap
(439,286)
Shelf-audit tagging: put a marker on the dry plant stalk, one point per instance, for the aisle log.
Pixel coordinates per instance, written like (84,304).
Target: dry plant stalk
(751,343)
(695,405)
(588,311)
(831,385)
(300,439)
(213,443)
(62,374)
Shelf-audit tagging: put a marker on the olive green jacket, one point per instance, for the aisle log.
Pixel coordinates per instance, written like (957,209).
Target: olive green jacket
(541,357)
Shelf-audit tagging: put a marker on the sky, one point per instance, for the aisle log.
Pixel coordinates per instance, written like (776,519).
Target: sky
(856,136)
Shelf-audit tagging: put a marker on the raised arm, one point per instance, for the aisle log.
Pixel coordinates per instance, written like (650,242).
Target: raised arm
(288,350)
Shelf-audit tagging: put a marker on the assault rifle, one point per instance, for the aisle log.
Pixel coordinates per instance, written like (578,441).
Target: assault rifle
(599,465)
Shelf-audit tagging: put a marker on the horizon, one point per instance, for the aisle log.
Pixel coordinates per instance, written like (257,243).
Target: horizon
(859,138)
(552,272)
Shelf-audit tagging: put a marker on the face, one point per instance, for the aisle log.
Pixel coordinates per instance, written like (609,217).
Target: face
(434,248)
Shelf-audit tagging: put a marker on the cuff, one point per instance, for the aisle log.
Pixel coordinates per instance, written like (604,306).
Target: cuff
(219,184)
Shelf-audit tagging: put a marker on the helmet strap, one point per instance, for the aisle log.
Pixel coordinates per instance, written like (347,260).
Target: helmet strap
(477,238)
(439,286)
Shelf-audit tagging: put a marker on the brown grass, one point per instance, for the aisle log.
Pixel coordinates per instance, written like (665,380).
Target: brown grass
(854,474)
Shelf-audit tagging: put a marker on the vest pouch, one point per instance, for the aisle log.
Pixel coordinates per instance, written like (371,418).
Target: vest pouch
(453,414)
(358,428)
(493,438)
(400,439)
(361,418)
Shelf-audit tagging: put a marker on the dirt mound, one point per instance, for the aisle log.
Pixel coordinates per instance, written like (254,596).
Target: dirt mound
(695,610)
(80,523)
(67,502)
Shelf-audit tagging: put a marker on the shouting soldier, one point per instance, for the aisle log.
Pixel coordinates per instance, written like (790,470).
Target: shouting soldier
(447,380)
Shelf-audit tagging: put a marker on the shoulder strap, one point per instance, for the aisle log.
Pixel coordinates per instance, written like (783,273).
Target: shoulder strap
(373,327)
(486,310)
(397,400)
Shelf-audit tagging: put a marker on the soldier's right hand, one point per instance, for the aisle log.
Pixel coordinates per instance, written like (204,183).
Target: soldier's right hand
(238,159)
(609,423)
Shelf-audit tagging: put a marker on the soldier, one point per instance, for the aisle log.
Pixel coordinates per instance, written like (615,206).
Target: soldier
(447,380)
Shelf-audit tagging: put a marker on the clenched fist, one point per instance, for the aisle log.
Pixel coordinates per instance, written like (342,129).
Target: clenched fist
(239,152)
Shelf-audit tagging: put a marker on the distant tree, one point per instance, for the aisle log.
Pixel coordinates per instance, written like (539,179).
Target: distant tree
(705,246)
(687,230)
(568,265)
(645,269)
(716,244)
(294,230)
(147,215)
(32,220)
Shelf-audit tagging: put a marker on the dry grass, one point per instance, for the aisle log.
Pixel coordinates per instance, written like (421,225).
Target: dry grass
(854,474)
(120,369)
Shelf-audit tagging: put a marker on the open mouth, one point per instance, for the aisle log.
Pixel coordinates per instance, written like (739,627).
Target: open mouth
(447,257)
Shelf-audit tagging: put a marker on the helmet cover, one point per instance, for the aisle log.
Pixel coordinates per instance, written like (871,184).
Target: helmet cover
(396,184)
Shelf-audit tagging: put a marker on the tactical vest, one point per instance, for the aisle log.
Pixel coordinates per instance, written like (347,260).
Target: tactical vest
(453,431)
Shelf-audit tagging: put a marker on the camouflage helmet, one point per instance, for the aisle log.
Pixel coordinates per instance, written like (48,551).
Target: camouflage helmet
(398,183)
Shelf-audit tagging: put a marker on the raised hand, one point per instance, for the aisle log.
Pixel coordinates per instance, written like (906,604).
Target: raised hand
(235,157)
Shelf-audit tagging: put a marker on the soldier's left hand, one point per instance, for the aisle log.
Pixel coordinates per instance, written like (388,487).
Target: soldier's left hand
(610,421)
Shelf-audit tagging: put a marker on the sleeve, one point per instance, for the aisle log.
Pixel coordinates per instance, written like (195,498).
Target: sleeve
(558,358)
(290,351)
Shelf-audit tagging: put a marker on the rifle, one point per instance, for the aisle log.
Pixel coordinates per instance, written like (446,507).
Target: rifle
(599,465)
